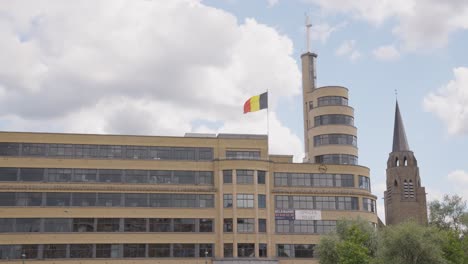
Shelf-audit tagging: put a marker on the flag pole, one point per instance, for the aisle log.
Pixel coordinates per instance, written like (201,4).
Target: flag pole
(268,123)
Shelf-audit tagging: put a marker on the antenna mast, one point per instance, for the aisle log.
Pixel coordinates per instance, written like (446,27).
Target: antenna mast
(308,26)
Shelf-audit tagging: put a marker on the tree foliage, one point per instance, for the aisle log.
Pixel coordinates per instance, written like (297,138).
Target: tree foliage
(449,214)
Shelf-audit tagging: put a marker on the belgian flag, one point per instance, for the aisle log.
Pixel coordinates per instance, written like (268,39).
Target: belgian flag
(255,103)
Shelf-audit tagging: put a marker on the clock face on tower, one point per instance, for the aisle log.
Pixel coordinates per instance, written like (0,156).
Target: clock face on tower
(323,168)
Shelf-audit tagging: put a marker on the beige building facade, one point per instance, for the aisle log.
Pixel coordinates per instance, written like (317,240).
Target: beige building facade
(75,198)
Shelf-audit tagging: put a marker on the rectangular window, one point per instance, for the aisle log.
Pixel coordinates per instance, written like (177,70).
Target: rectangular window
(284,251)
(136,152)
(262,226)
(8,174)
(57,225)
(227,176)
(86,151)
(206,225)
(31,174)
(109,199)
(303,251)
(8,199)
(184,153)
(344,180)
(84,175)
(368,205)
(228,250)
(303,202)
(136,200)
(81,251)
(184,177)
(84,199)
(160,224)
(134,250)
(347,203)
(249,155)
(58,199)
(108,251)
(261,201)
(52,251)
(6,225)
(184,225)
(184,250)
(262,250)
(325,203)
(83,224)
(206,250)
(136,176)
(59,175)
(60,150)
(281,179)
(245,176)
(323,180)
(108,224)
(33,149)
(160,200)
(206,200)
(325,226)
(245,225)
(110,175)
(205,177)
(245,250)
(364,183)
(159,250)
(245,200)
(27,199)
(161,177)
(205,154)
(111,151)
(281,202)
(184,200)
(160,153)
(9,149)
(261,177)
(135,224)
(283,226)
(227,225)
(28,225)
(303,226)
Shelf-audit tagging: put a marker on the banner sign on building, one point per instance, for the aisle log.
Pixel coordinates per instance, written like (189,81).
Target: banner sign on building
(308,215)
(284,214)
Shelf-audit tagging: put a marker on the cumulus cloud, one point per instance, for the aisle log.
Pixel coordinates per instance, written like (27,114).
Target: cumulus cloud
(420,24)
(386,53)
(139,67)
(323,31)
(459,178)
(450,103)
(348,49)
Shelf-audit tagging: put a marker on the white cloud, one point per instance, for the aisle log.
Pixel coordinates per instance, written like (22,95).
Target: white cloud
(348,48)
(386,53)
(420,24)
(272,3)
(459,178)
(323,31)
(139,67)
(450,103)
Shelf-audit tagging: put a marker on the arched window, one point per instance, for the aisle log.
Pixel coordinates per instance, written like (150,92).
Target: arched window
(405,189)
(405,161)
(395,183)
(397,162)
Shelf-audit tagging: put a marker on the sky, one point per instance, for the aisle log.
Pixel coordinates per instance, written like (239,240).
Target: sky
(151,67)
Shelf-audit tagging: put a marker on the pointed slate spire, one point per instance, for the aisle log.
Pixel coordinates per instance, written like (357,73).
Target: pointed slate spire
(399,136)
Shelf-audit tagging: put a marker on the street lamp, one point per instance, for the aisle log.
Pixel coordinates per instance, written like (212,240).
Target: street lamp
(23,256)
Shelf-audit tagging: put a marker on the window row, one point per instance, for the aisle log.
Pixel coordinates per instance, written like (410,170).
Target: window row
(244,225)
(26,225)
(337,159)
(339,139)
(316,202)
(105,151)
(332,100)
(107,199)
(313,179)
(245,250)
(244,176)
(305,226)
(244,200)
(106,175)
(243,154)
(295,251)
(333,120)
(79,251)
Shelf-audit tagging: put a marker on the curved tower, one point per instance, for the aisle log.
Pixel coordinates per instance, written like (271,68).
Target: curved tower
(405,198)
(330,136)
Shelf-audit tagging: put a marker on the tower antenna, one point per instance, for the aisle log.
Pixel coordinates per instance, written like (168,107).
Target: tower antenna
(308,26)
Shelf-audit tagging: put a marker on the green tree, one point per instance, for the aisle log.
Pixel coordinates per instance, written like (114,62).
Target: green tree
(449,214)
(354,242)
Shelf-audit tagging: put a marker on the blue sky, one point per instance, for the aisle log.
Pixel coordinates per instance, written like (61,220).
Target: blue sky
(165,68)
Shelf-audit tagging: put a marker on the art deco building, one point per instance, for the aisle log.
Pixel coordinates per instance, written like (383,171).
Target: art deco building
(405,198)
(75,198)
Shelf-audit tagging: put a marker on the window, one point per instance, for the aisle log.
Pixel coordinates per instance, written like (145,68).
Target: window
(7,225)
(55,251)
(136,200)
(8,174)
(86,151)
(58,199)
(325,226)
(325,203)
(110,175)
(282,226)
(251,155)
(83,224)
(245,200)
(227,225)
(184,225)
(161,177)
(261,177)
(281,202)
(206,200)
(364,183)
(160,225)
(335,139)
(31,174)
(245,176)
(108,224)
(81,251)
(184,200)
(303,251)
(60,150)
(24,199)
(184,250)
(160,200)
(109,199)
(136,152)
(108,251)
(9,149)
(8,199)
(136,176)
(262,250)
(84,199)
(344,180)
(368,205)
(333,120)
(84,175)
(57,225)
(301,179)
(134,250)
(332,100)
(303,202)
(323,180)
(184,177)
(28,225)
(262,228)
(205,177)
(59,175)
(228,250)
(159,250)
(245,250)
(303,226)
(281,179)
(206,250)
(135,224)
(33,149)
(184,153)
(206,225)
(205,154)
(227,200)
(336,159)
(261,201)
(245,225)
(348,203)
(111,152)
(227,176)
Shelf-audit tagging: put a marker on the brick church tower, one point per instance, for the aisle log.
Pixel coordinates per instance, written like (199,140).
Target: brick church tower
(405,198)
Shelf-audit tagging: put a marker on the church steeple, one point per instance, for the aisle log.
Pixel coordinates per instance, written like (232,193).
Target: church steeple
(399,136)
